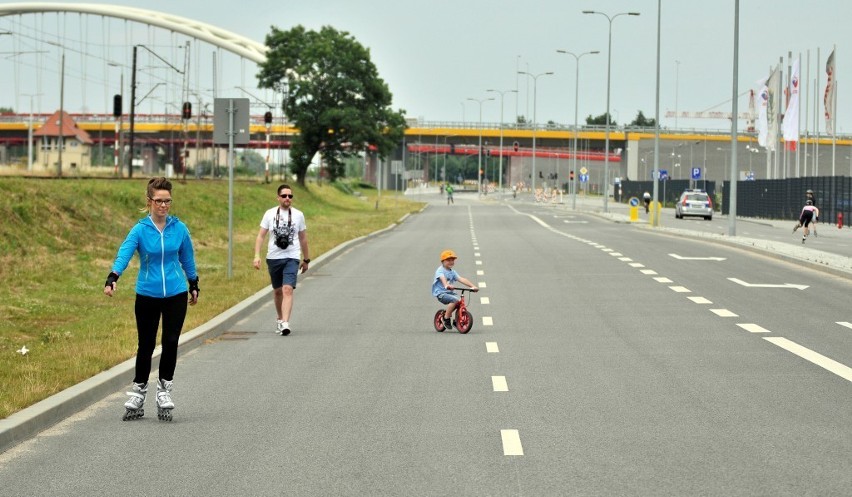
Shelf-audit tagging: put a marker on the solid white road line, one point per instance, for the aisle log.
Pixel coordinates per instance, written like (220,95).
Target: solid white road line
(484,300)
(845,323)
(487,321)
(807,354)
(511,443)
(680,289)
(723,313)
(499,384)
(699,300)
(491,348)
(753,328)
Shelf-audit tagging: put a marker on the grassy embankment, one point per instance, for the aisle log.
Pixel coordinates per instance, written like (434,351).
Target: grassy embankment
(58,239)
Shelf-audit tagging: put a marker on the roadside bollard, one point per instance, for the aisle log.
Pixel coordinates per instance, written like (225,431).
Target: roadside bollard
(839,220)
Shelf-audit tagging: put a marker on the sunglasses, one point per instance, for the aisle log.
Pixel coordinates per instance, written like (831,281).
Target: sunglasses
(285,195)
(161,201)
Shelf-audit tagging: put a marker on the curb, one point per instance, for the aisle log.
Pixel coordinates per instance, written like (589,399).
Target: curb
(30,421)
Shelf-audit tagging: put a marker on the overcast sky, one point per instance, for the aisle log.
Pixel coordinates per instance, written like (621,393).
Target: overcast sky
(435,55)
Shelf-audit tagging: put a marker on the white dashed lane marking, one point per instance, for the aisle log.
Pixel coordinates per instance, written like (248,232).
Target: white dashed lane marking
(845,323)
(680,289)
(699,300)
(663,279)
(487,321)
(480,272)
(753,328)
(648,271)
(499,384)
(723,313)
(511,443)
(484,300)
(478,263)
(636,264)
(481,284)
(491,348)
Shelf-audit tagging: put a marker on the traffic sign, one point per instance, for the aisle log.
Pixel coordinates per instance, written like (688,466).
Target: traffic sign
(664,174)
(696,173)
(584,178)
(583,170)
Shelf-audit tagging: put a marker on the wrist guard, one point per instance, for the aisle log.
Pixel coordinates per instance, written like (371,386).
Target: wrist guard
(112,277)
(193,286)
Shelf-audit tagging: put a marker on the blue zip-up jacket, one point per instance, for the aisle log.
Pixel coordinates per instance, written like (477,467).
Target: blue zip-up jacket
(166,260)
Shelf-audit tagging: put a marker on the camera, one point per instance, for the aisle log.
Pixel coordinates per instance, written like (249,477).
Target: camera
(282,241)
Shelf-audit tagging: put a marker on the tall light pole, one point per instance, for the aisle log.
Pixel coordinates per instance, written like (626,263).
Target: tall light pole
(608,73)
(502,94)
(30,131)
(576,128)
(479,166)
(534,125)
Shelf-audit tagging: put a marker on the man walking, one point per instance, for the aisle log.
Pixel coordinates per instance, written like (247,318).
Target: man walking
(287,243)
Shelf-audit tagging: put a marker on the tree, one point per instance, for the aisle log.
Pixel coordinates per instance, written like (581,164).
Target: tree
(600,120)
(7,110)
(333,94)
(643,122)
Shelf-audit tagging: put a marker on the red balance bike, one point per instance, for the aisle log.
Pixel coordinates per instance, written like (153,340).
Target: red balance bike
(463,321)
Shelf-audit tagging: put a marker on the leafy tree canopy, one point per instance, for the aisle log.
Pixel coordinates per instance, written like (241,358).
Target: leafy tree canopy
(333,94)
(642,121)
(5,110)
(600,120)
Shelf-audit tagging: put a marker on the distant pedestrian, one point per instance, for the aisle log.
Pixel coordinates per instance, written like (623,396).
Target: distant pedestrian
(167,281)
(647,199)
(450,191)
(809,195)
(287,243)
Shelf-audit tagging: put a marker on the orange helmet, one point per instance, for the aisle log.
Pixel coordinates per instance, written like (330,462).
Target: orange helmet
(448,254)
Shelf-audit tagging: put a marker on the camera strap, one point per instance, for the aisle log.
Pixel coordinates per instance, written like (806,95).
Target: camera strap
(289,219)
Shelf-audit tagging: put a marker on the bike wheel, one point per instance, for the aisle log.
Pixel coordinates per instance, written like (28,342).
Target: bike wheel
(465,322)
(439,321)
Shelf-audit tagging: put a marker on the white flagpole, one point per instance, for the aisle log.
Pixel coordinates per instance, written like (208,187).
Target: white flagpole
(834,110)
(807,110)
(816,117)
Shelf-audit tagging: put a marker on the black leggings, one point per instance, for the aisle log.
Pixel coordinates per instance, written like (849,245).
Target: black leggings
(148,312)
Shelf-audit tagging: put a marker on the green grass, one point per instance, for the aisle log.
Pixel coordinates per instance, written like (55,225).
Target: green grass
(58,239)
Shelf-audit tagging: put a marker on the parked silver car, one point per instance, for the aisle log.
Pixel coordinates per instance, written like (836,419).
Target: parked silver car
(694,203)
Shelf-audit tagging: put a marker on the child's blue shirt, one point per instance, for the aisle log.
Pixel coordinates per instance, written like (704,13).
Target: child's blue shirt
(450,274)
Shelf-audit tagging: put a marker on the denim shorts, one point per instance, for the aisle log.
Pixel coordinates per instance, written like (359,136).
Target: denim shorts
(448,298)
(283,272)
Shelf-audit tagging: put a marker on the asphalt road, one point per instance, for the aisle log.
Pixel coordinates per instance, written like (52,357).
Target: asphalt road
(599,364)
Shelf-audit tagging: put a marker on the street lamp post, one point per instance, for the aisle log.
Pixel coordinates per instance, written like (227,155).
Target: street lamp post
(30,132)
(479,165)
(576,129)
(502,94)
(608,71)
(534,125)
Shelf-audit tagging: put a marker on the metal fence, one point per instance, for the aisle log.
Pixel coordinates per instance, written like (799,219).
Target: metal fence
(765,198)
(670,190)
(784,198)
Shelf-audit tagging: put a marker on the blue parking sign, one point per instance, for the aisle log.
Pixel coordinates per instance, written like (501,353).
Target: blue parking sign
(696,173)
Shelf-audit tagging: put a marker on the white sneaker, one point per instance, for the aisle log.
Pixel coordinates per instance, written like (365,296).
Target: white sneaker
(279,326)
(285,328)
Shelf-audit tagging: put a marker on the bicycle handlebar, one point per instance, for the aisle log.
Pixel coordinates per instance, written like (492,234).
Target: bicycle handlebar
(465,289)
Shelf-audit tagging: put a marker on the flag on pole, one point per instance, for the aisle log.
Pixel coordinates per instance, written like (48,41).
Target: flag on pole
(830,94)
(773,108)
(791,115)
(762,122)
